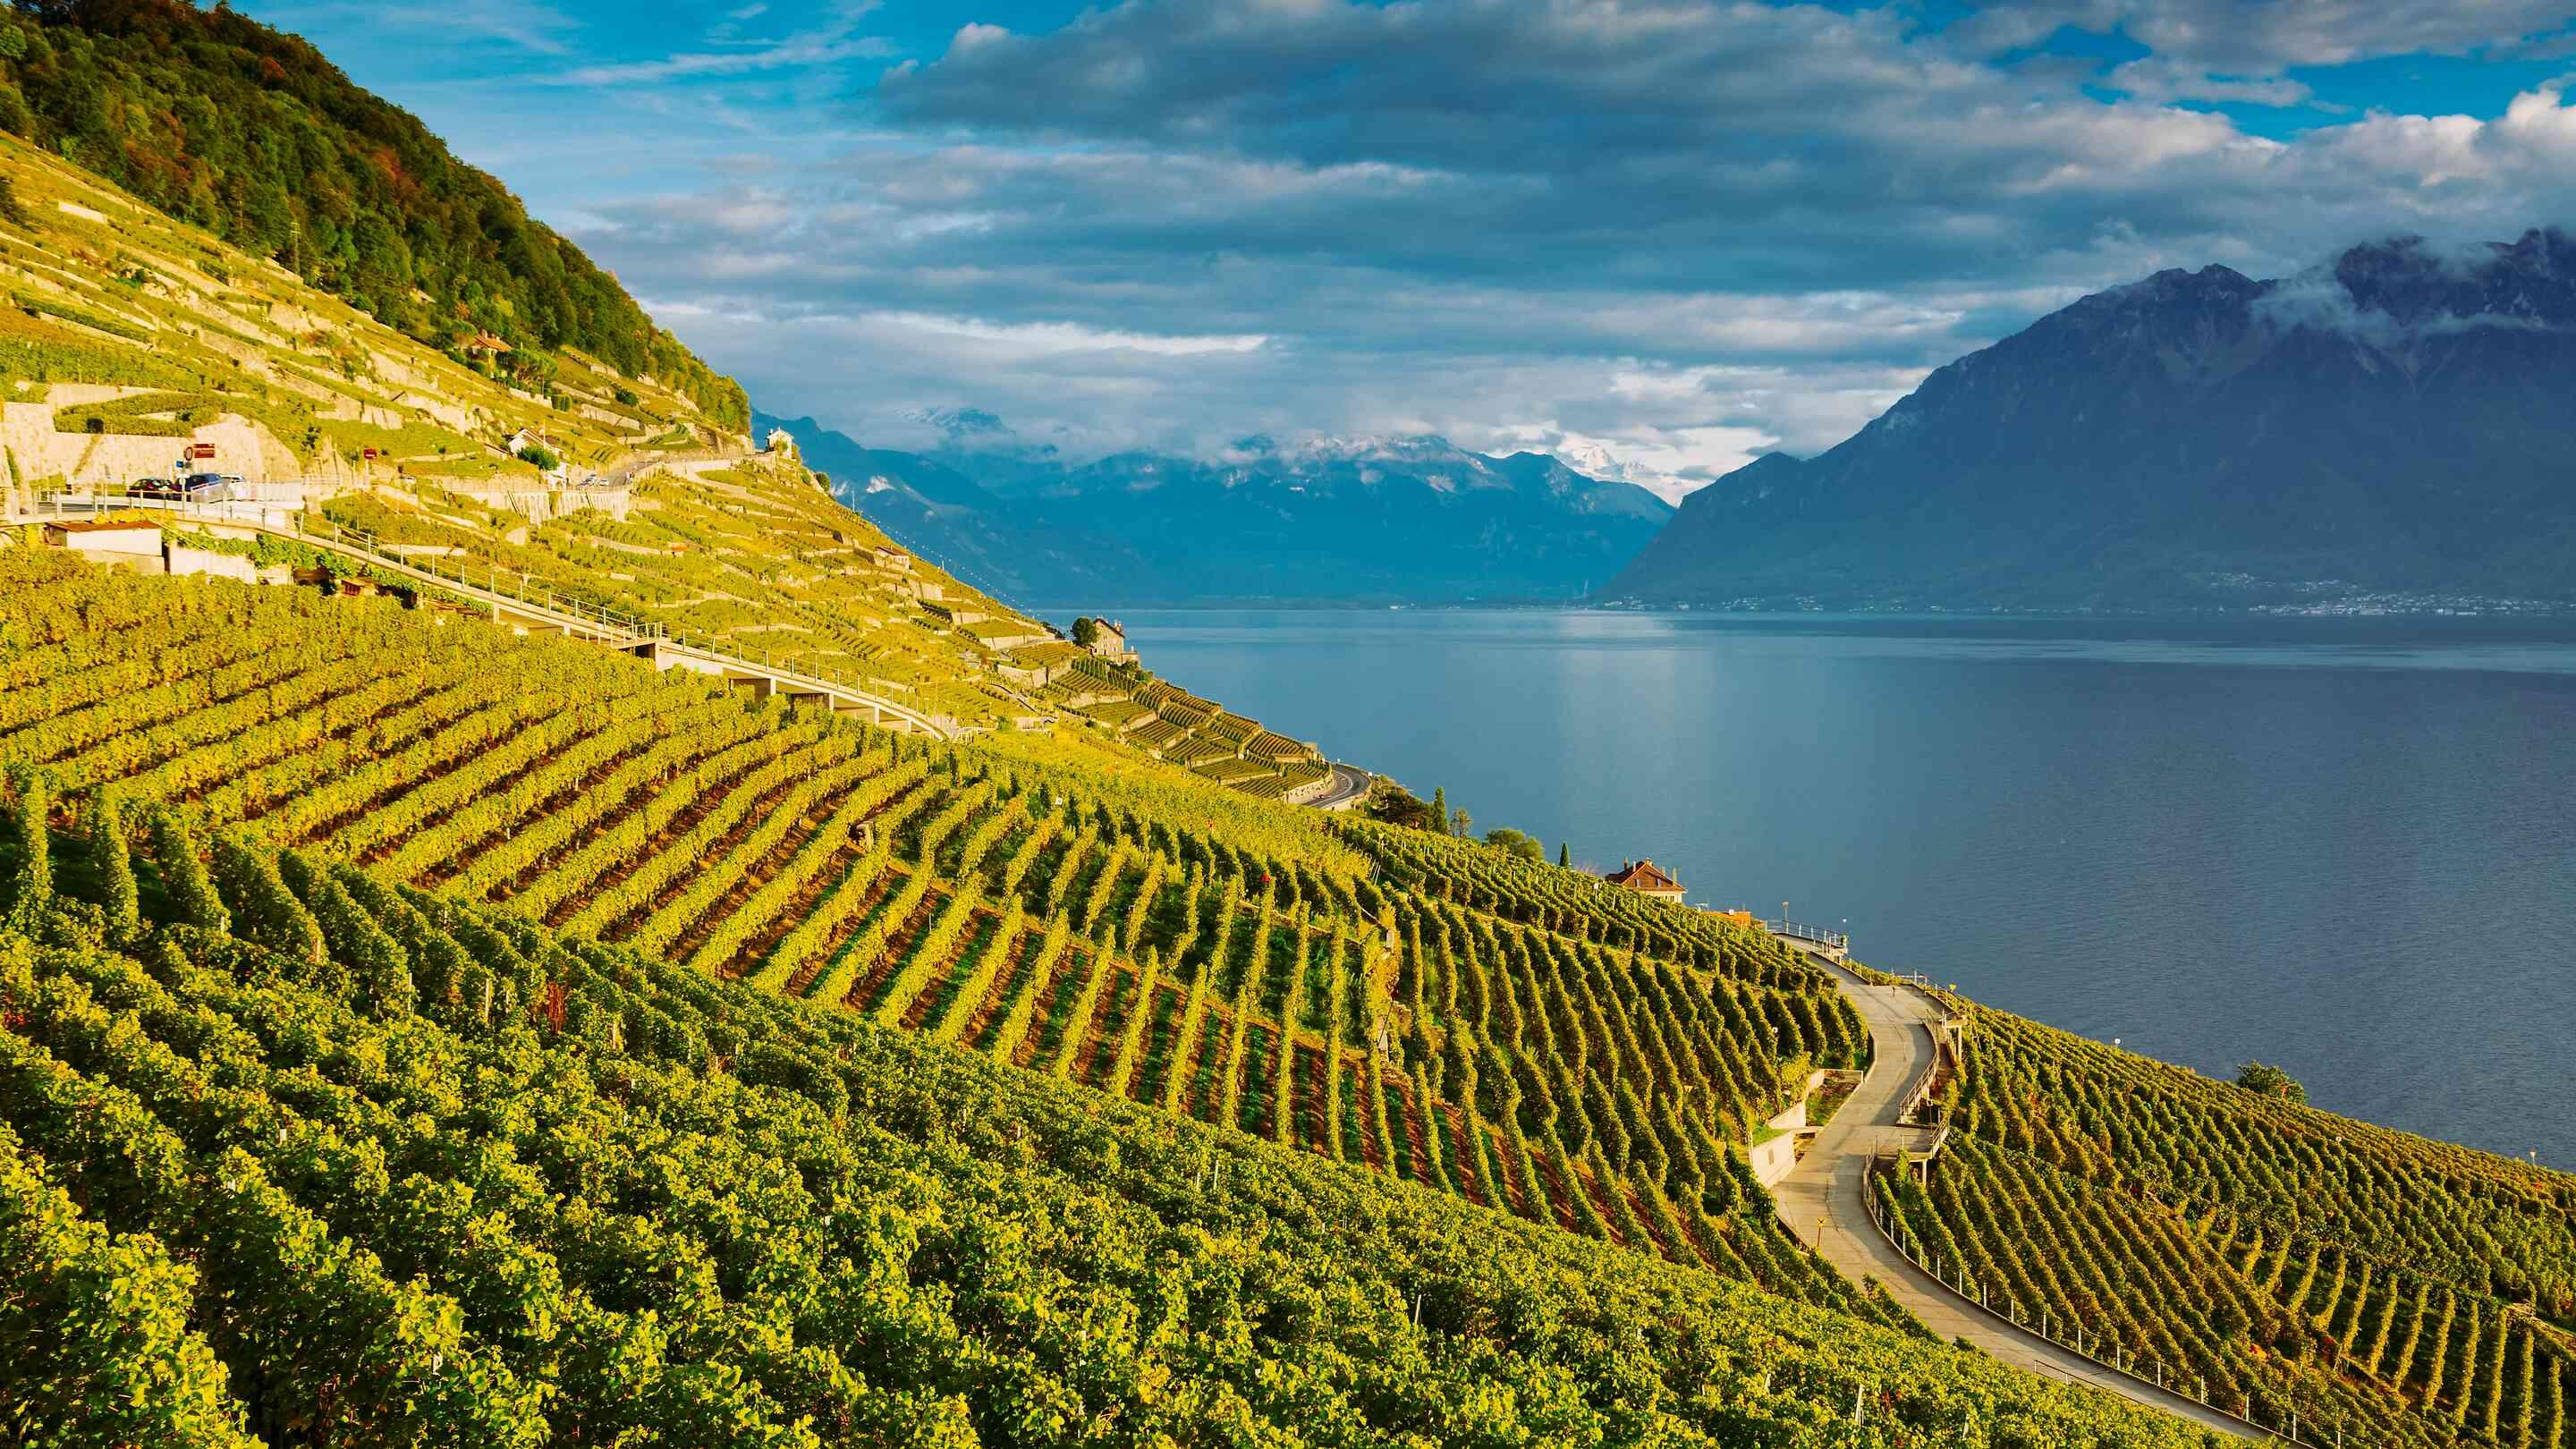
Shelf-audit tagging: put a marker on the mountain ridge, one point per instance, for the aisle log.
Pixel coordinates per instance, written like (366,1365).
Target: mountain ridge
(1345,519)
(2380,428)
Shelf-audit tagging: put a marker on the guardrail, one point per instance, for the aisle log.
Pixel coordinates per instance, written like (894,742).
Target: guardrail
(1920,1090)
(1973,1293)
(495,585)
(1834,940)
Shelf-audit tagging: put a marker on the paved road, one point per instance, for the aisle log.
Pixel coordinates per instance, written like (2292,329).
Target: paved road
(1824,1196)
(1349,784)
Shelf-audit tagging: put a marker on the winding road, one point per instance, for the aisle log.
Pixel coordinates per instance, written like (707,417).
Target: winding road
(1823,1201)
(1350,785)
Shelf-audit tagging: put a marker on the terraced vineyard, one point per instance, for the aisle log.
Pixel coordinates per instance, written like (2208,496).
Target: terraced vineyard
(287,1152)
(1574,1056)
(2384,1287)
(1169,723)
(135,331)
(747,552)
(412,1032)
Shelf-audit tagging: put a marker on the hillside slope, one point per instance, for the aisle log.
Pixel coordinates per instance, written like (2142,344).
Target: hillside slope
(1494,1032)
(228,124)
(1373,519)
(2386,431)
(133,337)
(2380,1286)
(293,1155)
(1518,1039)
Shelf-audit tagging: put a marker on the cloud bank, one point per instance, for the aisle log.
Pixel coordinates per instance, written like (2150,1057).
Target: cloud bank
(1659,237)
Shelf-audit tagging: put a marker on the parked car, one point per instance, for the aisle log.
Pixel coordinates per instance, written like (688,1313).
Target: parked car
(155,488)
(213,485)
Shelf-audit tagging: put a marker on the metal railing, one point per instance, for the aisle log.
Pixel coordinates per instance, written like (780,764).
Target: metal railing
(1953,1278)
(492,584)
(1796,930)
(1919,1092)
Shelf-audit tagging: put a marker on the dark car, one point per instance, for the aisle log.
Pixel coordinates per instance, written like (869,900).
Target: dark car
(155,488)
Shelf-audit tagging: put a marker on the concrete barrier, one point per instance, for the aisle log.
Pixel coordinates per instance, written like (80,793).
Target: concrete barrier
(182,559)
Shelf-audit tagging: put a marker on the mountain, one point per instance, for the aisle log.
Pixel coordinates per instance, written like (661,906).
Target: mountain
(1371,519)
(2390,428)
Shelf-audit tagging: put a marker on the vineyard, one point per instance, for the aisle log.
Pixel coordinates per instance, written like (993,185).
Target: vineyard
(136,330)
(2277,1259)
(1513,1035)
(1169,723)
(417,1032)
(298,1156)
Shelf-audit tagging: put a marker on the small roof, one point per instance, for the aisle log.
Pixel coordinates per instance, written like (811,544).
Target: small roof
(1641,875)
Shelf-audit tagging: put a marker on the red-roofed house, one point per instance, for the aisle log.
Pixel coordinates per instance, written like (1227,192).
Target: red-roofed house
(1642,876)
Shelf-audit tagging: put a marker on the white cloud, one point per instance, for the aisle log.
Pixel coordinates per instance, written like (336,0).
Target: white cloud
(1046,338)
(528,24)
(1663,236)
(797,52)
(2158,79)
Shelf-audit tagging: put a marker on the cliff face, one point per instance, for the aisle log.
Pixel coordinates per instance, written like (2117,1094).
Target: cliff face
(2397,423)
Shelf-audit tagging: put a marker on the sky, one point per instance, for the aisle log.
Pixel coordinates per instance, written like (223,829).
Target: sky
(1656,238)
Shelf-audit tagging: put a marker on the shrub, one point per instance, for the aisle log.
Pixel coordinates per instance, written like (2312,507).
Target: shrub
(2271,1081)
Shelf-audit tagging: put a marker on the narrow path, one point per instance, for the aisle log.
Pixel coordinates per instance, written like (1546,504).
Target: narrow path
(1824,1197)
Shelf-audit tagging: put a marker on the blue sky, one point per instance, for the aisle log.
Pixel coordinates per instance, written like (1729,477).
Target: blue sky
(1657,237)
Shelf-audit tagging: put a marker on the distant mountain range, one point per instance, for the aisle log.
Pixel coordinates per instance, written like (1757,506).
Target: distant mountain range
(1364,520)
(2398,426)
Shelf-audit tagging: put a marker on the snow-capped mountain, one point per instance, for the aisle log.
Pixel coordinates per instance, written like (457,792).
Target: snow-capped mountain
(1322,518)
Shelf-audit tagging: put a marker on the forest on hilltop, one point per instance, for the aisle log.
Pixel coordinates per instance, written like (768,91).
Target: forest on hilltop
(253,135)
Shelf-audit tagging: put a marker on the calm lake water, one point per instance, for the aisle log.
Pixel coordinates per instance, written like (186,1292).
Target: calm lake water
(2346,846)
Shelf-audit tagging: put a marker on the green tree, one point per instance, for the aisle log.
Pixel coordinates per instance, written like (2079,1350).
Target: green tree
(1516,843)
(2271,1081)
(1086,631)
(1392,804)
(1564,856)
(1439,809)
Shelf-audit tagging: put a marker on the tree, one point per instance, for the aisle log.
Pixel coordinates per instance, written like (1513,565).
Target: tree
(540,455)
(1516,843)
(1461,823)
(1564,856)
(2271,1081)
(1392,804)
(1086,631)
(1439,809)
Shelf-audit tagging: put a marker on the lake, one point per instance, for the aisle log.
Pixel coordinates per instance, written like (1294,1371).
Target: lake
(2344,846)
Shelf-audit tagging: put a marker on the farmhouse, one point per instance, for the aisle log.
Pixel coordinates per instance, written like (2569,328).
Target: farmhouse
(1642,876)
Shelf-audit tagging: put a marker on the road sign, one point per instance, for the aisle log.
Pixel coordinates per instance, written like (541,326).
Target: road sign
(201,450)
